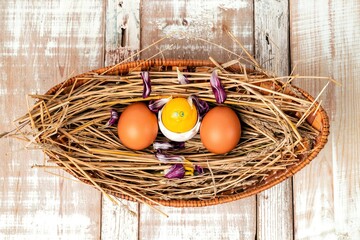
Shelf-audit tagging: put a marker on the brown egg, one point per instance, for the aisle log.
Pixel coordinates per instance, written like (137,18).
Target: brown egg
(137,127)
(220,130)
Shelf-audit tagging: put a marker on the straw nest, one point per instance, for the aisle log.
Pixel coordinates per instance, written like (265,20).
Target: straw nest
(281,128)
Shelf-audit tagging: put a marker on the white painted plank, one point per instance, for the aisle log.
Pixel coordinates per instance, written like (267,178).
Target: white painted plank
(122,40)
(186,21)
(119,221)
(272,35)
(41,44)
(122,30)
(326,193)
(234,220)
(274,206)
(275,212)
(206,20)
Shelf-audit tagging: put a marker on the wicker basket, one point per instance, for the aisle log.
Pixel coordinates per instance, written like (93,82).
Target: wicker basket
(319,121)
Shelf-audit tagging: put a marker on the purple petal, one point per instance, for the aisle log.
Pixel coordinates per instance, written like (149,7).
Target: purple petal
(146,83)
(156,105)
(201,105)
(113,118)
(167,157)
(178,145)
(218,89)
(168,145)
(198,170)
(175,171)
(181,78)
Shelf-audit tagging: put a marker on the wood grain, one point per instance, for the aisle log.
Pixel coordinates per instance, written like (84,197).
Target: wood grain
(184,21)
(41,44)
(119,221)
(271,23)
(235,220)
(122,30)
(326,193)
(122,41)
(202,19)
(274,206)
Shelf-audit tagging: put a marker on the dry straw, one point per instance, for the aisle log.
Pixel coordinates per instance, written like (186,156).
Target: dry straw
(283,129)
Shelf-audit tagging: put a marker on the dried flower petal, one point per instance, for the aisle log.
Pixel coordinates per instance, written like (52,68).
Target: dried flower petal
(162,157)
(198,170)
(156,105)
(168,145)
(189,168)
(218,89)
(146,83)
(201,105)
(113,118)
(181,78)
(175,171)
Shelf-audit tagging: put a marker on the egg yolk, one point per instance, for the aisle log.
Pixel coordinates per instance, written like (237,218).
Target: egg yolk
(178,115)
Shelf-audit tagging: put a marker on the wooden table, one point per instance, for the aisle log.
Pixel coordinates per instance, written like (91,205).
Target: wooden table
(44,42)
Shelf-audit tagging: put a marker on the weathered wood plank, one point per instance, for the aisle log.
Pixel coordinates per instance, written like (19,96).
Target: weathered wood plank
(119,221)
(324,41)
(234,220)
(272,35)
(206,20)
(187,20)
(275,212)
(122,30)
(274,206)
(122,40)
(41,44)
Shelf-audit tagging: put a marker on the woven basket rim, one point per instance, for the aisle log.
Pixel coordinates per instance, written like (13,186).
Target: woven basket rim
(277,178)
